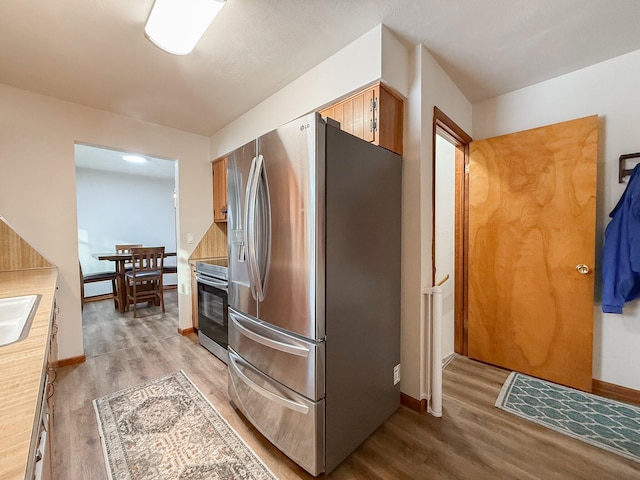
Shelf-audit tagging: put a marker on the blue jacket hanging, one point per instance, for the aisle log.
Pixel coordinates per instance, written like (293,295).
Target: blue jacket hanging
(621,252)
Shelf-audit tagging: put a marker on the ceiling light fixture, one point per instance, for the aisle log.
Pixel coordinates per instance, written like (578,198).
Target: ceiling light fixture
(177,25)
(134,158)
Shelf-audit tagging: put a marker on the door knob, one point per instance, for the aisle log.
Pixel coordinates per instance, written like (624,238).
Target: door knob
(582,269)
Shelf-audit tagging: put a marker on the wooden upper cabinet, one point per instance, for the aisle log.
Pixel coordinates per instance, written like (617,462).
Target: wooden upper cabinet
(374,114)
(355,114)
(219,168)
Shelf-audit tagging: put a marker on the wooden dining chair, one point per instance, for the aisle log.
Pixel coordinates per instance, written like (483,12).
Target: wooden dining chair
(126,248)
(144,280)
(95,277)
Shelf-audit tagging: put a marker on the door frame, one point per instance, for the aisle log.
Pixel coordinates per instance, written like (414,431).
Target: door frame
(448,129)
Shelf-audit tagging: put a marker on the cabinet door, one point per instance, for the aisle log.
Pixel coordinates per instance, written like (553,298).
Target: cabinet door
(52,359)
(355,114)
(52,374)
(194,298)
(369,130)
(375,114)
(220,190)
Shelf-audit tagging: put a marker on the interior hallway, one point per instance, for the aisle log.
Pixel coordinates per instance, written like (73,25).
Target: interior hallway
(473,439)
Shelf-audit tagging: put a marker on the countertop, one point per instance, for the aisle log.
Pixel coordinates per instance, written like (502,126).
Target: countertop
(192,261)
(22,368)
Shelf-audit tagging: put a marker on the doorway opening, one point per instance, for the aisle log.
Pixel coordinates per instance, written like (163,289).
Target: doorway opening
(450,228)
(123,203)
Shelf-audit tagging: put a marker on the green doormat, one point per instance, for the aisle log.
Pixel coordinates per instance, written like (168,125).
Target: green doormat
(166,429)
(611,425)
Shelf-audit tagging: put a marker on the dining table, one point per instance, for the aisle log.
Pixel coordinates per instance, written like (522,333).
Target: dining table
(120,260)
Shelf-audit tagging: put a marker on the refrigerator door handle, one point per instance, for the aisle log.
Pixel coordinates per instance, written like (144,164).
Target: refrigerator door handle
(262,243)
(263,249)
(285,402)
(249,218)
(267,342)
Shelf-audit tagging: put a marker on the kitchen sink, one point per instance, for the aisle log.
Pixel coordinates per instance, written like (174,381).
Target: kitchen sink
(16,315)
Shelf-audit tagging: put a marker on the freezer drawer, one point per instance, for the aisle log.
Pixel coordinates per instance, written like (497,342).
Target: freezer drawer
(291,422)
(294,362)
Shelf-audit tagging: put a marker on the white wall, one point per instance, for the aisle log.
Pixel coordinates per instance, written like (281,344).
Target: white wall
(445,236)
(122,209)
(38,186)
(396,63)
(412,338)
(610,90)
(356,65)
(430,86)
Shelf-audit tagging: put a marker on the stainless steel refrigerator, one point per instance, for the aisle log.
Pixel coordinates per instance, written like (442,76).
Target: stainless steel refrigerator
(314,288)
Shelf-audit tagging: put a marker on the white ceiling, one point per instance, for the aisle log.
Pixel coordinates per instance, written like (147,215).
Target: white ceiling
(93,52)
(96,158)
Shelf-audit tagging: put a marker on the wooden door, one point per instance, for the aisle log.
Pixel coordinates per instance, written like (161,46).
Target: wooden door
(532,204)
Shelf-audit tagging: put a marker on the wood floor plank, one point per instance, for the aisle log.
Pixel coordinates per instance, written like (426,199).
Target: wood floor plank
(473,439)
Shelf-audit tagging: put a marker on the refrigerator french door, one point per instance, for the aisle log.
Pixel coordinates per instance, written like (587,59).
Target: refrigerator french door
(274,236)
(239,165)
(312,371)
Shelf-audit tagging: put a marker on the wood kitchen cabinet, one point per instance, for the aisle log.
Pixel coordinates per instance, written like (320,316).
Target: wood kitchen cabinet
(52,359)
(194,296)
(375,114)
(219,168)
(52,374)
(42,461)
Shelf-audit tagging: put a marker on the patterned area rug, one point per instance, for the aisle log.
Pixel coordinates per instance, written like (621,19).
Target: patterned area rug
(611,425)
(166,429)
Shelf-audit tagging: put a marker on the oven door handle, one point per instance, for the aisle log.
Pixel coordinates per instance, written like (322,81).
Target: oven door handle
(212,283)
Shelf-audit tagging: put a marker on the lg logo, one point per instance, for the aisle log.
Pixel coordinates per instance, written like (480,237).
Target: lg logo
(304,127)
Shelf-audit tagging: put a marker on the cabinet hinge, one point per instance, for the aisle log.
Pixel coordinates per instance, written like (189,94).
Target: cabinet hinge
(373,104)
(373,125)
(466,168)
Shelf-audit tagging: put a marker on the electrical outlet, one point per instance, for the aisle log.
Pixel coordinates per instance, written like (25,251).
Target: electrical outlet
(189,237)
(396,374)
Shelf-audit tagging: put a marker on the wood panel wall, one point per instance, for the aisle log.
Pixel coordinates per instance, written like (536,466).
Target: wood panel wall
(213,243)
(16,253)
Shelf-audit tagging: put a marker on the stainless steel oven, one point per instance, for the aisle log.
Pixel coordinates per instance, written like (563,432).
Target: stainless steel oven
(213,307)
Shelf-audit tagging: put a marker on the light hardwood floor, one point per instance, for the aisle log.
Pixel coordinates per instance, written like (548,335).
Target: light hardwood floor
(473,440)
